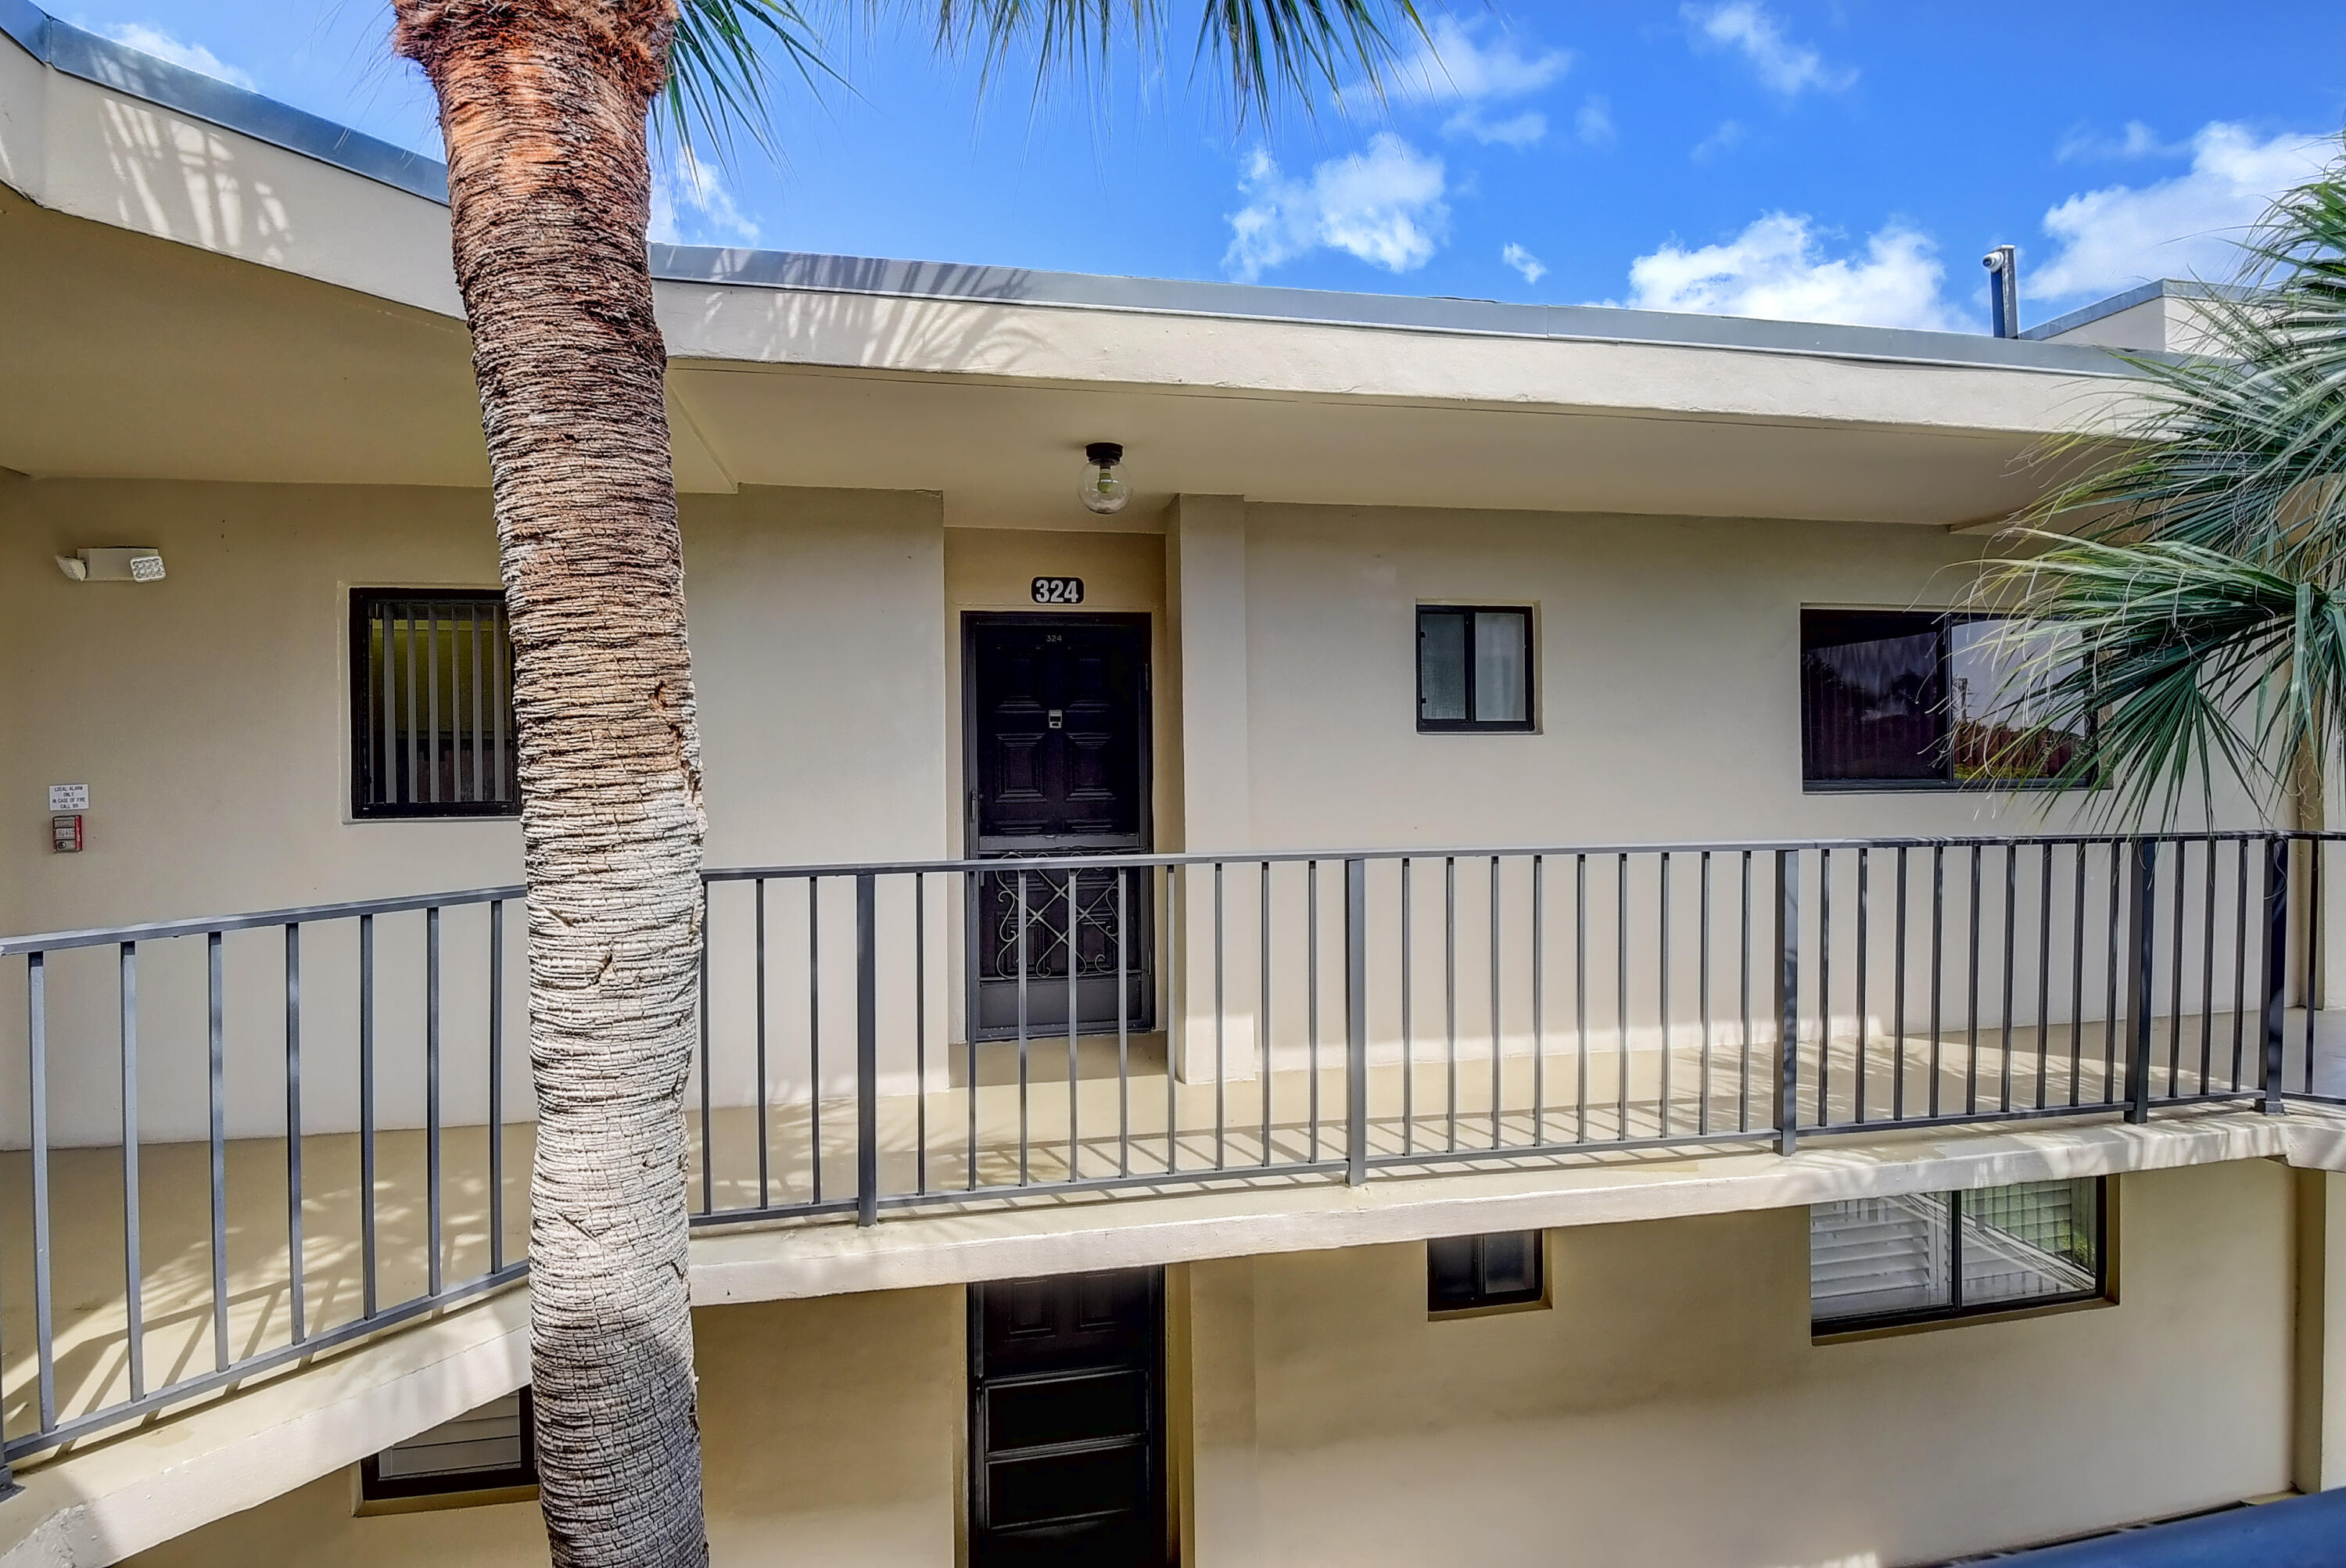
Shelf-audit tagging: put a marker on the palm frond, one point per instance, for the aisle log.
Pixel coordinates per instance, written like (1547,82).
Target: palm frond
(718,70)
(1264,49)
(2186,601)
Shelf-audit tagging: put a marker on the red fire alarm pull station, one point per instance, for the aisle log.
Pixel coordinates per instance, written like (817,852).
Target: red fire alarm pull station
(65,834)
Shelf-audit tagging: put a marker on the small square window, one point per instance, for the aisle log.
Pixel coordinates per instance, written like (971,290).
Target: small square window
(1473,667)
(432,723)
(1875,1262)
(1502,1268)
(485,1455)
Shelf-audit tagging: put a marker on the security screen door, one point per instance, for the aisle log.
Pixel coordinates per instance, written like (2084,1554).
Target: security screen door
(1057,757)
(1066,1421)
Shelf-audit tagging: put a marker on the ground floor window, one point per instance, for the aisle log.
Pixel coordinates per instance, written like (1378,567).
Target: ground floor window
(1879,1261)
(485,1455)
(1502,1268)
(432,724)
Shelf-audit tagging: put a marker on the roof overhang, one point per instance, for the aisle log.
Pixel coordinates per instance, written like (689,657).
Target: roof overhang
(209,285)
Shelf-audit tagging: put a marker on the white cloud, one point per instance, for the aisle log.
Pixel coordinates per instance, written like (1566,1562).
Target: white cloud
(1453,66)
(2138,140)
(1726,138)
(2187,225)
(1517,130)
(1383,205)
(691,205)
(1524,261)
(154,41)
(1594,123)
(1778,268)
(1784,66)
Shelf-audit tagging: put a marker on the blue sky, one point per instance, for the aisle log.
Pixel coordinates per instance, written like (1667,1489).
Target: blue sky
(1822,161)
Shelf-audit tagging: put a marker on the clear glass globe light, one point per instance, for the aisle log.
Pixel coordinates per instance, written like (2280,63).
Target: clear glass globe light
(1103,491)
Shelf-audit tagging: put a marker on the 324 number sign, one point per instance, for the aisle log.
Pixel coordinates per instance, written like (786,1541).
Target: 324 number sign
(1058,590)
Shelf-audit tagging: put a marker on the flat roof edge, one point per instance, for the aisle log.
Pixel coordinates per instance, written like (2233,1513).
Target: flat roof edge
(79,53)
(2140,294)
(76,52)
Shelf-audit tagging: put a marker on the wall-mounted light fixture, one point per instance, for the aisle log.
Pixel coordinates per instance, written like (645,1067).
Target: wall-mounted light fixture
(114,564)
(1103,492)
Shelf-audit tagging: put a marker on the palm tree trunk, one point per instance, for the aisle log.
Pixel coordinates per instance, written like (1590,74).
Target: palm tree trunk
(543,104)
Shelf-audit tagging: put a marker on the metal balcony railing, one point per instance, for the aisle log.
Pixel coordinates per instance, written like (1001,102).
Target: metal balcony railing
(235,1142)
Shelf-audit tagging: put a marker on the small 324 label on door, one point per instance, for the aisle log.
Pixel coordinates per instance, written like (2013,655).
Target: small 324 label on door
(1058,590)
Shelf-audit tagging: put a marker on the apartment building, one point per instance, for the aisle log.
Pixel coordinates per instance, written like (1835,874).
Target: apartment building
(1445,982)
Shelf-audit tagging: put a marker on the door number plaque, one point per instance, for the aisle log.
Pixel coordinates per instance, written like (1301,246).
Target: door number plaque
(1058,590)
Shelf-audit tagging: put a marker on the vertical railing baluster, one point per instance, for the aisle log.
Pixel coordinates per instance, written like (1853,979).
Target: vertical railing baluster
(867,1050)
(708,1068)
(1311,994)
(1450,995)
(37,1040)
(2110,981)
(2314,913)
(1408,1016)
(1786,975)
(368,1257)
(758,1042)
(1023,1123)
(1743,988)
(216,1141)
(1356,1022)
(1177,1015)
(497,1082)
(1970,993)
(134,1284)
(1824,987)
(1539,1001)
(1262,1022)
(2239,961)
(1580,997)
(1075,1019)
(1123,1033)
(1864,1024)
(920,1026)
(1621,992)
(295,1252)
(2274,1025)
(1898,1001)
(2142,949)
(2044,970)
(814,1032)
(2207,973)
(2175,976)
(1221,1063)
(2077,972)
(2010,952)
(973,902)
(1662,989)
(434,1209)
(1498,1034)
(1938,969)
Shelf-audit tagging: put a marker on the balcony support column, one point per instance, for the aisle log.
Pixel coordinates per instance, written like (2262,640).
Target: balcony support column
(1205,605)
(2317,1406)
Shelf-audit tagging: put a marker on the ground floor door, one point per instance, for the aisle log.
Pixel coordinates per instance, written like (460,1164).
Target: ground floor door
(1057,763)
(1068,1422)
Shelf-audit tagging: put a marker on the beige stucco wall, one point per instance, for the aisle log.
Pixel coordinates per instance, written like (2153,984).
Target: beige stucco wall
(832,1430)
(1670,1408)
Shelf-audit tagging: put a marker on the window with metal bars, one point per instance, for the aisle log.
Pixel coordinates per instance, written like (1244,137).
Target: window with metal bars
(1469,1273)
(1877,1262)
(431,705)
(485,1455)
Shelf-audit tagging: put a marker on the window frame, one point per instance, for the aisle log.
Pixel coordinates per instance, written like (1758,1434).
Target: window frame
(1484,1299)
(1940,623)
(1471,725)
(1959,1311)
(363,739)
(455,1488)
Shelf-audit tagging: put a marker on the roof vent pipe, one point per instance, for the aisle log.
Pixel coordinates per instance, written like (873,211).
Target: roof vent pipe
(2003,265)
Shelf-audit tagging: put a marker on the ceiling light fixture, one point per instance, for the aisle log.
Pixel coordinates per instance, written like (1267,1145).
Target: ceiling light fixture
(1103,492)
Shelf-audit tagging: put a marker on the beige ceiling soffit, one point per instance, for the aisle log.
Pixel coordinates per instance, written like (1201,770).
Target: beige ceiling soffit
(698,470)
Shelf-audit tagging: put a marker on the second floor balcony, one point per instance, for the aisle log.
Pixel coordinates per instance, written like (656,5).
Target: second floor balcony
(241,1141)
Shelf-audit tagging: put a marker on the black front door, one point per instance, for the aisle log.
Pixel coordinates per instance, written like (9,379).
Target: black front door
(1056,759)
(1066,1421)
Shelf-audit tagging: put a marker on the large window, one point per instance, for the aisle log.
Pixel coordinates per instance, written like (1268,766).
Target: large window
(1468,1273)
(1879,1261)
(1473,667)
(430,706)
(1905,699)
(485,1455)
